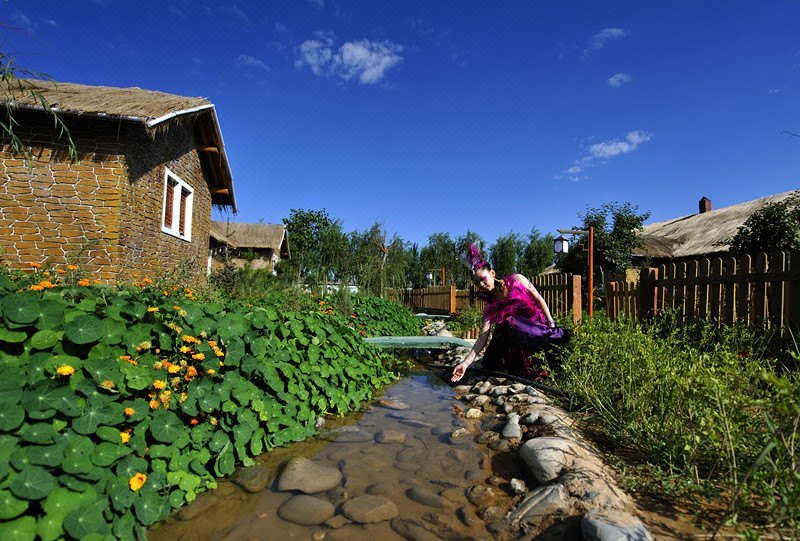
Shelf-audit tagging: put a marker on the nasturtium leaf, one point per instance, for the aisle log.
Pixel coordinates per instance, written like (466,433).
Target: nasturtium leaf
(219,441)
(130,466)
(21,307)
(137,377)
(22,529)
(104,369)
(77,464)
(50,527)
(124,526)
(10,505)
(11,417)
(149,507)
(176,498)
(225,463)
(87,305)
(105,454)
(12,337)
(73,483)
(50,314)
(37,433)
(46,455)
(109,434)
(61,501)
(166,427)
(85,520)
(45,339)
(121,495)
(96,413)
(32,483)
(84,329)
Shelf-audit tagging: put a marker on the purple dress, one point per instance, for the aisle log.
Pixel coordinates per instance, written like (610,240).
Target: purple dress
(522,336)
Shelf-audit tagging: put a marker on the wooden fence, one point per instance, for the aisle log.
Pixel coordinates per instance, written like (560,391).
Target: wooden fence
(761,290)
(562,292)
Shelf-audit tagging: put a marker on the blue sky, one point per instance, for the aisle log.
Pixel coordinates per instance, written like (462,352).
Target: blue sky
(443,116)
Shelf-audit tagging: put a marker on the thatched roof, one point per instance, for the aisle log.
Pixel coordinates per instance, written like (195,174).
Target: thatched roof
(153,109)
(701,234)
(257,236)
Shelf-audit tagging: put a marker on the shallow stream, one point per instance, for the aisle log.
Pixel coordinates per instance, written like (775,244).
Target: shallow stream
(437,482)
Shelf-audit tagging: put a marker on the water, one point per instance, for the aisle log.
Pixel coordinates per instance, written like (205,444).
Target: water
(426,459)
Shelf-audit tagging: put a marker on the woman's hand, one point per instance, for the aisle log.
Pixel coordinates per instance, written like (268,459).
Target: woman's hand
(458,371)
(552,324)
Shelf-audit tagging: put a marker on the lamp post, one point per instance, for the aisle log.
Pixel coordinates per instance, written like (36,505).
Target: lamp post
(561,246)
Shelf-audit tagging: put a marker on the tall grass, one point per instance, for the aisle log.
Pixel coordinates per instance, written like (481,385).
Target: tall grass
(703,404)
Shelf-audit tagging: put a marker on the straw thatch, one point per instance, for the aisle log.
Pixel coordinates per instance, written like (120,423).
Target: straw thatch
(131,103)
(701,234)
(241,235)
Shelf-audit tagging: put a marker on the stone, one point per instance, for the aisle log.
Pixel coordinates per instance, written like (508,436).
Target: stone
(346,434)
(410,414)
(469,397)
(480,495)
(499,401)
(306,510)
(546,458)
(529,419)
(370,509)
(390,436)
(408,454)
(481,400)
(495,481)
(254,479)
(337,495)
(517,387)
(491,512)
(473,475)
(499,390)
(417,423)
(393,405)
(459,436)
(512,428)
(337,521)
(412,531)
(507,408)
(462,389)
(613,525)
(473,413)
(501,446)
(425,497)
(482,387)
(318,535)
(306,476)
(466,515)
(518,486)
(380,488)
(541,502)
(441,429)
(488,437)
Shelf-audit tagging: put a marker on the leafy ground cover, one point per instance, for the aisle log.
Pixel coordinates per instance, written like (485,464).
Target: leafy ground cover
(120,404)
(697,411)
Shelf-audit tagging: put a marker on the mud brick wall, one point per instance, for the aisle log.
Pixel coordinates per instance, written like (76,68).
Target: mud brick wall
(104,211)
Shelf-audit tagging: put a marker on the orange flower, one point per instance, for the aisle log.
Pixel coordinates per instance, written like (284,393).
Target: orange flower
(35,265)
(158,365)
(128,412)
(173,369)
(125,437)
(152,309)
(198,356)
(211,371)
(61,271)
(36,287)
(84,282)
(176,307)
(46,273)
(159,384)
(212,343)
(137,481)
(72,267)
(194,421)
(185,349)
(107,384)
(65,370)
(191,372)
(154,404)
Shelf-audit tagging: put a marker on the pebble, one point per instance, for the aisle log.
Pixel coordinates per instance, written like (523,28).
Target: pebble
(254,479)
(543,501)
(495,481)
(491,512)
(393,404)
(466,515)
(499,401)
(480,495)
(347,434)
(409,454)
(425,496)
(518,387)
(417,423)
(518,486)
(380,488)
(461,389)
(306,476)
(370,509)
(488,437)
(501,446)
(499,390)
(506,408)
(318,535)
(546,457)
(459,436)
(473,413)
(529,419)
(482,388)
(337,521)
(474,475)
(412,530)
(390,436)
(481,400)
(306,510)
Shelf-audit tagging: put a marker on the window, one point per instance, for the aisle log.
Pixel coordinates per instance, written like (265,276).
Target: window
(177,211)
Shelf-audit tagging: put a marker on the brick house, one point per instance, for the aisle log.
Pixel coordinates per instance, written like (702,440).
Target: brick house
(262,246)
(138,199)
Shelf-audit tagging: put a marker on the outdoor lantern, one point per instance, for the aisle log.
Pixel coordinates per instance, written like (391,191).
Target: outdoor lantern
(561,245)
(429,276)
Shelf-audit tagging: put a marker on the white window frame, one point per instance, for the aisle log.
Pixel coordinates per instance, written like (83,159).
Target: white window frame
(174,228)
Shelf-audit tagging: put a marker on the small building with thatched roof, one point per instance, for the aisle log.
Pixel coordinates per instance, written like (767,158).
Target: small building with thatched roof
(699,235)
(262,246)
(137,200)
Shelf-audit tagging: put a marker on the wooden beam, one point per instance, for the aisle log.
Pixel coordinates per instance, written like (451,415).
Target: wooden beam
(213,150)
(222,191)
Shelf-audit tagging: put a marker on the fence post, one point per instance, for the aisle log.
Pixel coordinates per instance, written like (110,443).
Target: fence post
(577,307)
(648,293)
(452,299)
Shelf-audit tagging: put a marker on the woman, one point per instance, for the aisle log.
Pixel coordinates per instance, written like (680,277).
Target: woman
(524,328)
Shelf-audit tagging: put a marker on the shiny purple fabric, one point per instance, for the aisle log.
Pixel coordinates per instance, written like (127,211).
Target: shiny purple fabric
(522,338)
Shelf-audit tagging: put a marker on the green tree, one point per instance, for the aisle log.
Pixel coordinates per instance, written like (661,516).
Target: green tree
(538,253)
(463,273)
(306,230)
(438,253)
(617,232)
(506,253)
(773,227)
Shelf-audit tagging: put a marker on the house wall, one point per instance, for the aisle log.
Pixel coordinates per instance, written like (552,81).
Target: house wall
(103,212)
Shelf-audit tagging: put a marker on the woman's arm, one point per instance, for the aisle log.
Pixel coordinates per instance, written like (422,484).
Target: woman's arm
(458,371)
(538,298)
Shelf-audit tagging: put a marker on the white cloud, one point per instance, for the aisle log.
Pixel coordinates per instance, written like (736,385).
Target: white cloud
(603,151)
(619,79)
(366,60)
(600,39)
(23,22)
(51,23)
(774,91)
(249,61)
(319,4)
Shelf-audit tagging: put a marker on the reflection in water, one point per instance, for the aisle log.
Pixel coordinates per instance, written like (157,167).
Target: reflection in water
(426,477)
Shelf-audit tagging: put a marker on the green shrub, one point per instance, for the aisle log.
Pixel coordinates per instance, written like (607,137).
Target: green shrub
(374,316)
(466,319)
(118,405)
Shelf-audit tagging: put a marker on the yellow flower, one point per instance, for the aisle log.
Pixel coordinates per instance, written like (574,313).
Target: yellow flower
(125,437)
(176,307)
(198,356)
(128,412)
(65,370)
(137,481)
(174,369)
(157,365)
(72,267)
(107,384)
(36,287)
(152,309)
(211,371)
(185,349)
(212,343)
(159,384)
(213,420)
(154,404)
